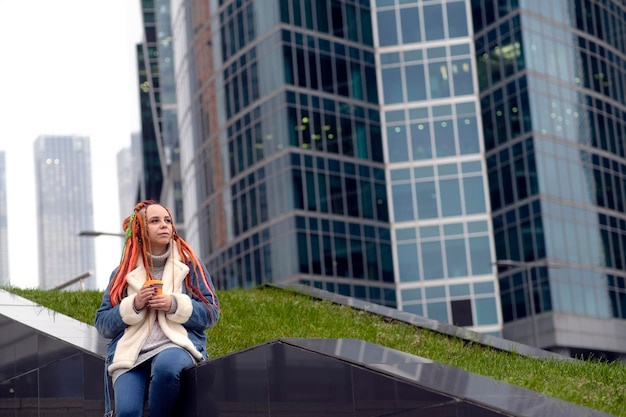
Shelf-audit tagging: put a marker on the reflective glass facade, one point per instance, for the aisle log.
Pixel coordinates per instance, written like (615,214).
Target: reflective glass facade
(282,144)
(160,89)
(552,96)
(432,132)
(151,180)
(458,159)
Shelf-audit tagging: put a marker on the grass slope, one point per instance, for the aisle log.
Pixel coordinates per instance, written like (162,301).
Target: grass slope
(255,316)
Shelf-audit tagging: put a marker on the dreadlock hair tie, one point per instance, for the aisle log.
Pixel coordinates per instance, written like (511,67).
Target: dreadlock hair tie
(129,228)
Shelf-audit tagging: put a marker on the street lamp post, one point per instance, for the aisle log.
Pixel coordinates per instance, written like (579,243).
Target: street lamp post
(80,279)
(93,233)
(96,233)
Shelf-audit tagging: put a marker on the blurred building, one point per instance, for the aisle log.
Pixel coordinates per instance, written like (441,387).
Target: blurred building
(152,157)
(129,164)
(64,200)
(159,90)
(462,160)
(4,230)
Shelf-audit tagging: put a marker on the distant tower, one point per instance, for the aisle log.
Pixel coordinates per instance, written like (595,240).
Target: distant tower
(64,209)
(4,243)
(128,173)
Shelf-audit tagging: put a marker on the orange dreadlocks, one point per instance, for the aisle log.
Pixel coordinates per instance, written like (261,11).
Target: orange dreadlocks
(137,244)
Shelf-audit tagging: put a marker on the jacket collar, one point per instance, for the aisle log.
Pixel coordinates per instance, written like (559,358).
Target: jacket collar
(173,275)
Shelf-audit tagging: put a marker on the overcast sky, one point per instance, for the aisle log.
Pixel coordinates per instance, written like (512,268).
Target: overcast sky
(68,67)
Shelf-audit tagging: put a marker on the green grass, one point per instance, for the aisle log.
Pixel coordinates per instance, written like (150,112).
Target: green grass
(252,317)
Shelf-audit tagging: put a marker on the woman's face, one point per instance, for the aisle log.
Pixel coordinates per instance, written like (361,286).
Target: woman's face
(159,228)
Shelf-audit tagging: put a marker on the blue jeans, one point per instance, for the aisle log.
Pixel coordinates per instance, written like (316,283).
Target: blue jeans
(162,374)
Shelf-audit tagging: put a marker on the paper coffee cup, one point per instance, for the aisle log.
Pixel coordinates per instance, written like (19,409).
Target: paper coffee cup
(156,283)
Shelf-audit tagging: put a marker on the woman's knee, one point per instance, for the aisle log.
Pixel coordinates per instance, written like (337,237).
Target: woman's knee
(170,363)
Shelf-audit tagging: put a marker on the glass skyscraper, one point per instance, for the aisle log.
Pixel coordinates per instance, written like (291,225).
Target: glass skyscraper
(552,80)
(440,218)
(281,145)
(160,146)
(458,159)
(152,155)
(64,210)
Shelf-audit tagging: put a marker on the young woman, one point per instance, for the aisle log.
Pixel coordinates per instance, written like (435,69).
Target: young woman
(154,334)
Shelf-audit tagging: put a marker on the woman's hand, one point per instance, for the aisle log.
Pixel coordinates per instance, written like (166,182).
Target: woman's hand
(161,302)
(143,297)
